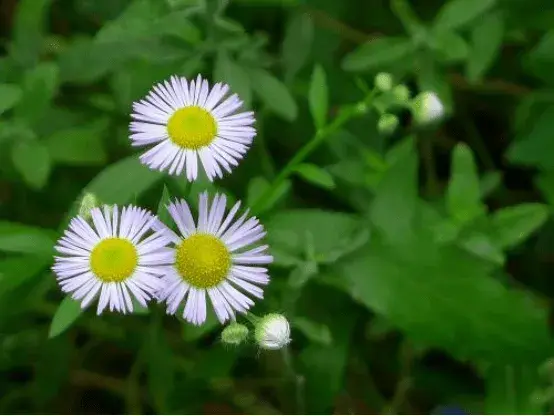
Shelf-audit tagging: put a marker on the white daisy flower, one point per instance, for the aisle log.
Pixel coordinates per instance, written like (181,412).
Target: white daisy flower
(186,120)
(214,256)
(272,332)
(110,258)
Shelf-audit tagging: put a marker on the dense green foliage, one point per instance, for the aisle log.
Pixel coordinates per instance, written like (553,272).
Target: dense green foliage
(414,266)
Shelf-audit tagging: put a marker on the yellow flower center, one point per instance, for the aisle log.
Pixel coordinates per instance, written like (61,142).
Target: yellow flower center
(202,260)
(113,259)
(192,128)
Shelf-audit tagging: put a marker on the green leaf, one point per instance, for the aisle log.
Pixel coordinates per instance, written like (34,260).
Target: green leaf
(163,213)
(9,96)
(440,295)
(486,43)
(431,76)
(483,246)
(313,331)
(290,231)
(510,390)
(161,367)
(16,271)
(32,161)
(79,145)
(315,175)
(297,43)
(457,13)
(318,96)
(463,197)
(29,31)
(258,186)
(450,46)
(120,182)
(274,94)
(378,53)
(513,225)
(395,205)
(20,238)
(228,71)
(66,314)
(40,85)
(534,147)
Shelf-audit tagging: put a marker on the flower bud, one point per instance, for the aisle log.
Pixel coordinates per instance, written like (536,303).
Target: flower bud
(88,202)
(234,334)
(387,124)
(383,81)
(427,107)
(401,93)
(272,332)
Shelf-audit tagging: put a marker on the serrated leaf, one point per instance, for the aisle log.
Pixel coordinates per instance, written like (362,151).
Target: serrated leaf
(457,13)
(425,290)
(297,43)
(66,314)
(394,207)
(318,96)
(274,94)
(378,53)
(513,225)
(315,175)
(78,145)
(32,161)
(9,96)
(121,181)
(463,197)
(486,43)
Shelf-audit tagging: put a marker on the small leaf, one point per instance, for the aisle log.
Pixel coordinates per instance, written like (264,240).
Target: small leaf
(78,145)
(450,46)
(316,175)
(318,96)
(29,30)
(120,182)
(67,313)
(314,332)
(457,13)
(32,161)
(20,238)
(297,43)
(463,198)
(230,72)
(482,246)
(9,96)
(40,85)
(163,213)
(377,53)
(513,225)
(486,43)
(274,94)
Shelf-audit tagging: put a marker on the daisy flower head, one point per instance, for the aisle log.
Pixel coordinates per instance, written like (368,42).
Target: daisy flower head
(215,256)
(188,123)
(117,257)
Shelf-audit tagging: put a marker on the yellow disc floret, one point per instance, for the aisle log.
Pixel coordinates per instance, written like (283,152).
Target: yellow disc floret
(114,259)
(202,260)
(192,128)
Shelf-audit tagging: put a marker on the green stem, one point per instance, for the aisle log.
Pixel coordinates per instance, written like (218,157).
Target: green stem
(297,380)
(316,141)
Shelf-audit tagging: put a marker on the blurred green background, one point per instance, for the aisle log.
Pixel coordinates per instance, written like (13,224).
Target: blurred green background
(415,267)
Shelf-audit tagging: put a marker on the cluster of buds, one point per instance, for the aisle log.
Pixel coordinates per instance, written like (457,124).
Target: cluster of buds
(271,332)
(426,107)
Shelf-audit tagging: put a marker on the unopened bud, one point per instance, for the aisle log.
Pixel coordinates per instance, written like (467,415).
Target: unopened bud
(427,107)
(401,93)
(272,332)
(88,202)
(234,334)
(383,81)
(387,124)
